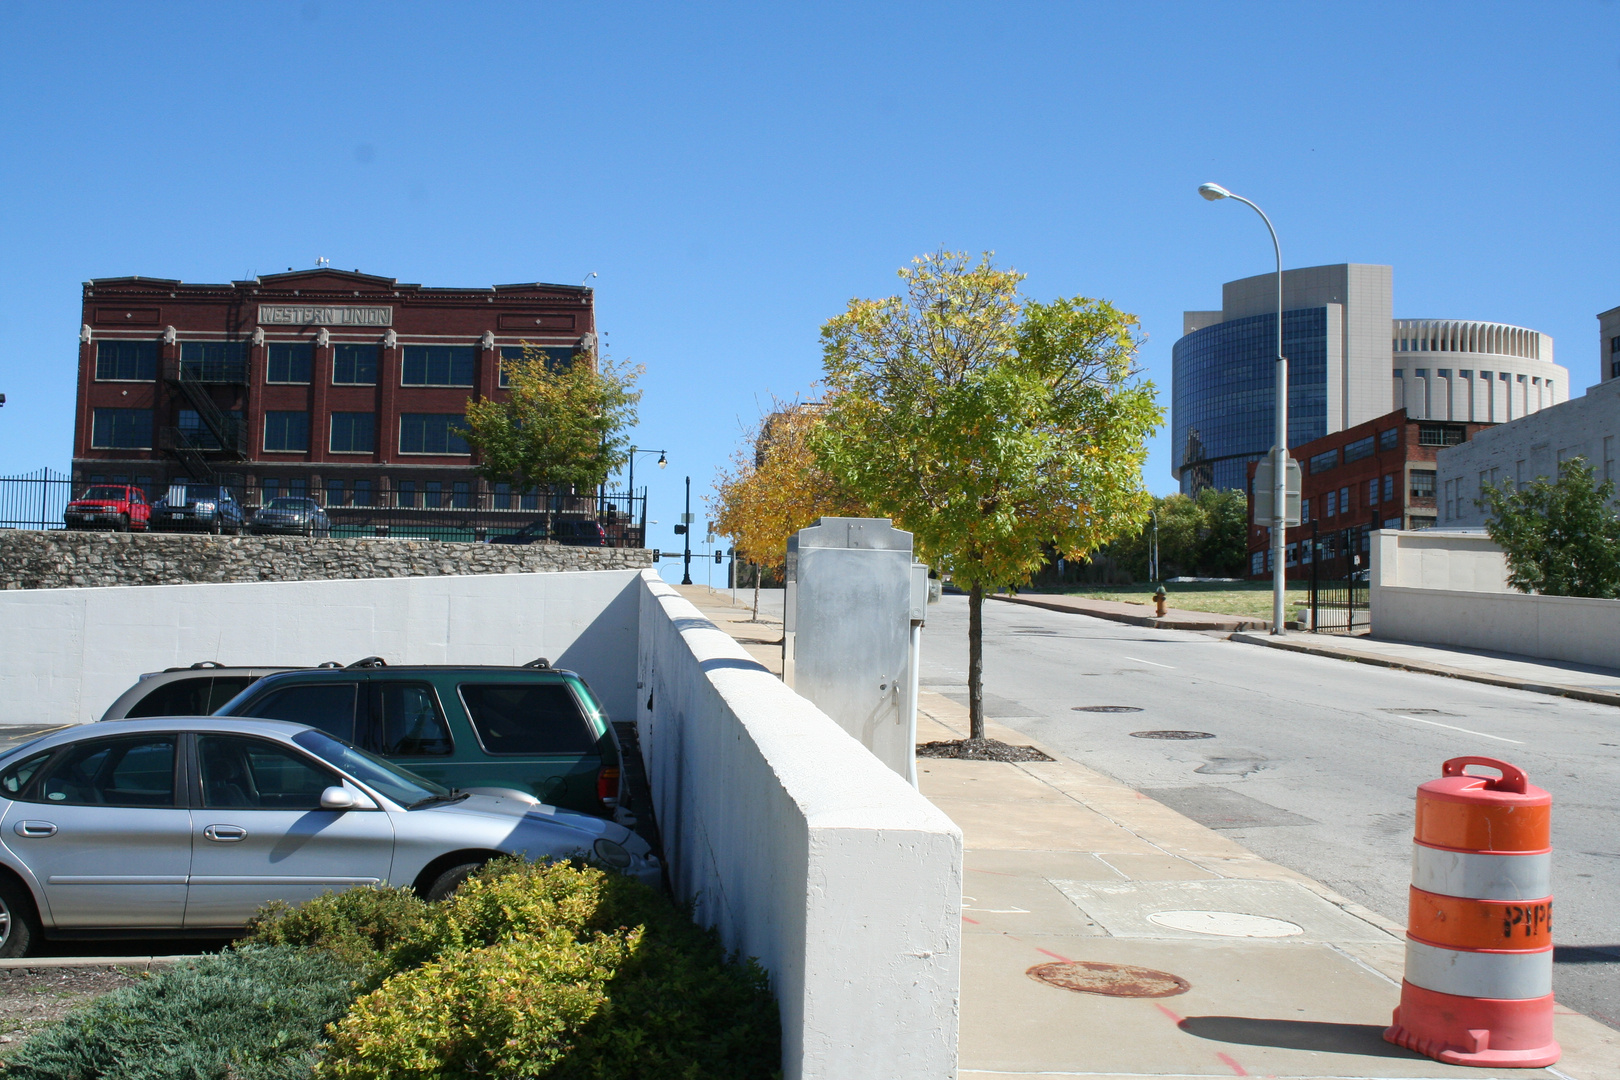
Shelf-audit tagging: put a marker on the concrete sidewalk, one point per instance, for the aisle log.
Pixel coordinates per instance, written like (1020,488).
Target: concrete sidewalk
(1601,685)
(1064,865)
(1137,614)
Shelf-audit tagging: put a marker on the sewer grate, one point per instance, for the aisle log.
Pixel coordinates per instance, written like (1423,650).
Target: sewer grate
(1111,980)
(1105,708)
(1172,735)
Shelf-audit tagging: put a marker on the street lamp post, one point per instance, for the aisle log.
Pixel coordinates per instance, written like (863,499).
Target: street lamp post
(686,528)
(1279,449)
(663,460)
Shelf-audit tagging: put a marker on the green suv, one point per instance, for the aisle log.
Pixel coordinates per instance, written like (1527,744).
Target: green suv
(535,728)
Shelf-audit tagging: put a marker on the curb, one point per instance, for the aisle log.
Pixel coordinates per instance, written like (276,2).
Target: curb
(138,963)
(1214,622)
(1580,693)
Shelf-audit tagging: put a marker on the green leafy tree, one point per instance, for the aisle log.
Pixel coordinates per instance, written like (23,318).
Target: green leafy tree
(560,425)
(1205,536)
(1561,538)
(992,428)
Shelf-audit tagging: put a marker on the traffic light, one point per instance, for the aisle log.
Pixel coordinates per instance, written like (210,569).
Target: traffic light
(719,557)
(680,530)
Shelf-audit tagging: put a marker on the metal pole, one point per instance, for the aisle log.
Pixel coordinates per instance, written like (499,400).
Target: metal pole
(1155,575)
(1279,450)
(686,573)
(633,480)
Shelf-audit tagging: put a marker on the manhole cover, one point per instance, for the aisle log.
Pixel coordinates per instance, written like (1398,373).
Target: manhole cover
(1172,735)
(1226,924)
(1112,980)
(1105,708)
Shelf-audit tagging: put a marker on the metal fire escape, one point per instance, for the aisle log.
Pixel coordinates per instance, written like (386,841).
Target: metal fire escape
(219,435)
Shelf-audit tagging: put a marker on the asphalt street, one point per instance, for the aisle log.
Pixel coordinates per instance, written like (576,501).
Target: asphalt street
(1310,762)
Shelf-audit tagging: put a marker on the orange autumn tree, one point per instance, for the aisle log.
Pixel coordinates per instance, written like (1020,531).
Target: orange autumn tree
(773,488)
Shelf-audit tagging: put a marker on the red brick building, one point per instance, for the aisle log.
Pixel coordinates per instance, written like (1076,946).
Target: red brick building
(343,386)
(1376,475)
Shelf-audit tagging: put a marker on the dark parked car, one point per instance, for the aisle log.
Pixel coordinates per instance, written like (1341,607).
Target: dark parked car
(192,507)
(291,515)
(535,729)
(119,507)
(572,531)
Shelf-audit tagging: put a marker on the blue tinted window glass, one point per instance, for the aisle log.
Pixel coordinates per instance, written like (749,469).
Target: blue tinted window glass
(431,433)
(438,365)
(126,360)
(287,432)
(289,361)
(353,432)
(121,429)
(354,365)
(1223,398)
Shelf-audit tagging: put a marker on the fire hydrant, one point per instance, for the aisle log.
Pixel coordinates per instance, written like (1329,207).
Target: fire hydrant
(1158,602)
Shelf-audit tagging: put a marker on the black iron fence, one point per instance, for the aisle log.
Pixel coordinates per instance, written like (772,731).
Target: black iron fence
(1339,586)
(34,501)
(426,510)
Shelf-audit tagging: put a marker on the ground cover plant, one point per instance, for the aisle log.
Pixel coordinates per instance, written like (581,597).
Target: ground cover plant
(529,970)
(252,1014)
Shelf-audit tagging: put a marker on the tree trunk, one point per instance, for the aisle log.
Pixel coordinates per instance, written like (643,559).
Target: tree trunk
(756,591)
(976,662)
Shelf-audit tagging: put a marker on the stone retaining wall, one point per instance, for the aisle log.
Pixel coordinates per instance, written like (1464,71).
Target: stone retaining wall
(59,559)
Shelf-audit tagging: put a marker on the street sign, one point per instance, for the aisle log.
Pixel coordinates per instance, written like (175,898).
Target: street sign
(1264,485)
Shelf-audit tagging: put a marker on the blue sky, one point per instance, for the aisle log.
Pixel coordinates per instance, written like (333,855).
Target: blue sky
(734,173)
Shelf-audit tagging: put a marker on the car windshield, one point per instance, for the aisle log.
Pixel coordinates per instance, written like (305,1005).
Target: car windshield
(402,786)
(111,493)
(289,504)
(201,493)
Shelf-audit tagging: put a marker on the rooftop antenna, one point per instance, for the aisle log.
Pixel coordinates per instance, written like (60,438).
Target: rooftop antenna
(323,261)
(587,278)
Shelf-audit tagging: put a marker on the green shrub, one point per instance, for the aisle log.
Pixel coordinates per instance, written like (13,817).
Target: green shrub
(253,1014)
(508,1010)
(673,1005)
(360,926)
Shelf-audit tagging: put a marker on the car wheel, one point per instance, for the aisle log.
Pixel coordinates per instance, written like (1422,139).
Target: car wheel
(449,881)
(217,527)
(19,926)
(122,524)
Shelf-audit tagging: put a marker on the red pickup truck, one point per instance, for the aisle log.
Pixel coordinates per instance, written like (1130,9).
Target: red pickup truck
(109,506)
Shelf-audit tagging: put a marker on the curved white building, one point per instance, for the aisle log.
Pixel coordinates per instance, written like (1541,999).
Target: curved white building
(1478,372)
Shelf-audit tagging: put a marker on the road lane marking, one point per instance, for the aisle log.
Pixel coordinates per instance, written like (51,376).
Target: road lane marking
(1155,663)
(1465,731)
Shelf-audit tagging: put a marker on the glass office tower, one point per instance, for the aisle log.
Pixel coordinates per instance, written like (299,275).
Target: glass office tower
(1224,396)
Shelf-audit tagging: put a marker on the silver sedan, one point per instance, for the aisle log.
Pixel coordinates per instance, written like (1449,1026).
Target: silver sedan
(187,825)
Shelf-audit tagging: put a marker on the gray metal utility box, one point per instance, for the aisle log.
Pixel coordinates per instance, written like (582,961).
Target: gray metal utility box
(848,642)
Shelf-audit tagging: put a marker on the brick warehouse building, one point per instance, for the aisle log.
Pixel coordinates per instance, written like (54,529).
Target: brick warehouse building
(1376,475)
(343,386)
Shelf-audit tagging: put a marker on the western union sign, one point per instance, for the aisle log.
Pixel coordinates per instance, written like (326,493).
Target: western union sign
(336,315)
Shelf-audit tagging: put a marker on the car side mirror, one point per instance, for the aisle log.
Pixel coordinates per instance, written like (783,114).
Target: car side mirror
(337,797)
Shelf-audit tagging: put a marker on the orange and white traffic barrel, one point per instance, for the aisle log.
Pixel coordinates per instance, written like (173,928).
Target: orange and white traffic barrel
(1478,986)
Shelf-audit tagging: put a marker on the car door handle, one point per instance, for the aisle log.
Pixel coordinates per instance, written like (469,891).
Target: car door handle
(36,829)
(225,834)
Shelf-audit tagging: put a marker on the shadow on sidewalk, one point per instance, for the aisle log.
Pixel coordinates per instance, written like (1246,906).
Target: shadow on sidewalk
(1315,1035)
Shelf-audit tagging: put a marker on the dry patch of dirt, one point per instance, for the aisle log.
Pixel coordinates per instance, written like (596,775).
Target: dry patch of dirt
(31,998)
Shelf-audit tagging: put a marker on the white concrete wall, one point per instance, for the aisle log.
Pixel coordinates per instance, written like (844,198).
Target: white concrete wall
(65,654)
(1438,559)
(1531,447)
(805,851)
(1441,588)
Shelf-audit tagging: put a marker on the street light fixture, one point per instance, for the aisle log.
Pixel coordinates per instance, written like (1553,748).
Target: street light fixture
(1279,449)
(663,460)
